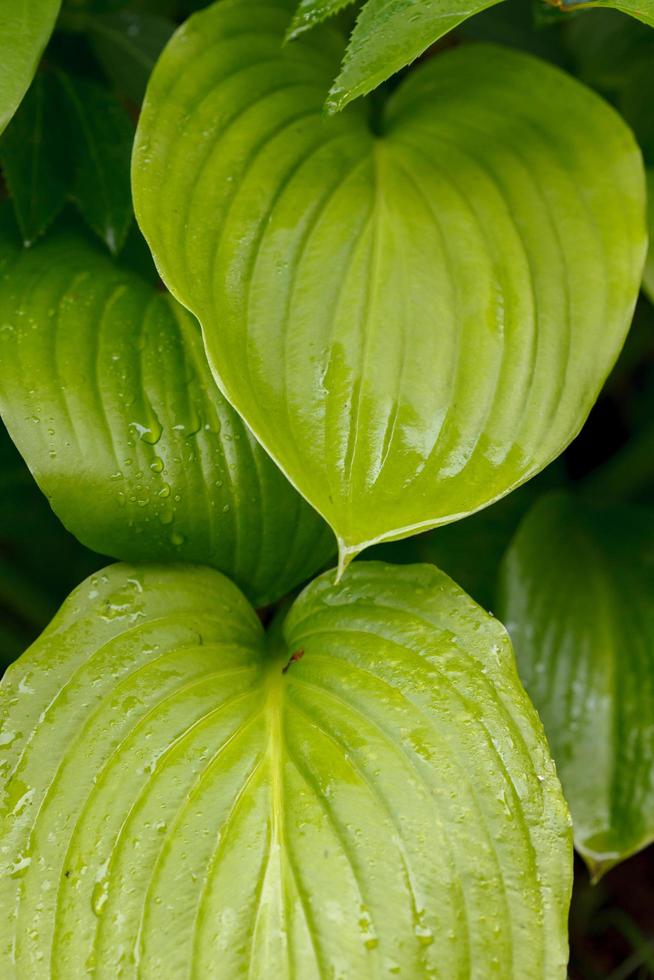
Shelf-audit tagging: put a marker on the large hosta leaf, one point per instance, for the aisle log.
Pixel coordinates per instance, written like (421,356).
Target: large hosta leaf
(412,320)
(578,598)
(366,792)
(25,28)
(106,391)
(388,35)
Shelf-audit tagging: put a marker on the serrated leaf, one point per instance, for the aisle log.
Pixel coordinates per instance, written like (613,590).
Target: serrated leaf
(364,791)
(578,599)
(405,320)
(311,12)
(34,154)
(101,136)
(106,391)
(390,34)
(127,44)
(25,28)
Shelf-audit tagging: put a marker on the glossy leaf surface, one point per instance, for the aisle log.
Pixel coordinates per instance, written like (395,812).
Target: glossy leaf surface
(347,795)
(389,34)
(578,599)
(25,28)
(106,391)
(412,322)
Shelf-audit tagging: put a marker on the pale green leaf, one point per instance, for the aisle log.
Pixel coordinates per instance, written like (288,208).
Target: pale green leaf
(25,28)
(415,320)
(578,599)
(390,34)
(364,792)
(106,391)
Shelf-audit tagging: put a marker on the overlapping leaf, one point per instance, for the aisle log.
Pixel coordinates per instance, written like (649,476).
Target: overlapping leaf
(388,35)
(106,391)
(412,320)
(578,599)
(25,28)
(366,791)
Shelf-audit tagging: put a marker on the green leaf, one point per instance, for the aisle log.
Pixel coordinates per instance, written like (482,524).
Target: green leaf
(642,10)
(25,28)
(390,34)
(648,274)
(101,143)
(578,599)
(365,792)
(34,153)
(106,391)
(412,322)
(127,44)
(311,12)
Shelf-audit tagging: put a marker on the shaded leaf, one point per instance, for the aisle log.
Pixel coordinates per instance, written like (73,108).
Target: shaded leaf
(106,391)
(101,135)
(403,317)
(34,154)
(25,28)
(345,794)
(642,10)
(127,44)
(578,600)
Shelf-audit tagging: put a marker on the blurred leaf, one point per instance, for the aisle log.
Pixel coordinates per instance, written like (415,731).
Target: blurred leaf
(642,10)
(101,135)
(39,560)
(470,550)
(127,44)
(25,28)
(512,23)
(607,47)
(648,272)
(34,157)
(577,597)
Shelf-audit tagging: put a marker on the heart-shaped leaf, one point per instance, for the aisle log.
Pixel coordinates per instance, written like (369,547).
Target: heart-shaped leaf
(106,391)
(25,29)
(387,36)
(415,320)
(365,792)
(578,599)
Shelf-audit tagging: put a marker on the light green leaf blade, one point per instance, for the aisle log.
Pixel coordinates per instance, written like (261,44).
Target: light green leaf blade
(311,12)
(648,274)
(412,323)
(642,10)
(366,791)
(25,28)
(34,153)
(390,34)
(106,391)
(578,599)
(101,135)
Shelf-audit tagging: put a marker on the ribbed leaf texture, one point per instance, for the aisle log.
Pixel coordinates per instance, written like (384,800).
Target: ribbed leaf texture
(366,791)
(106,391)
(578,598)
(413,316)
